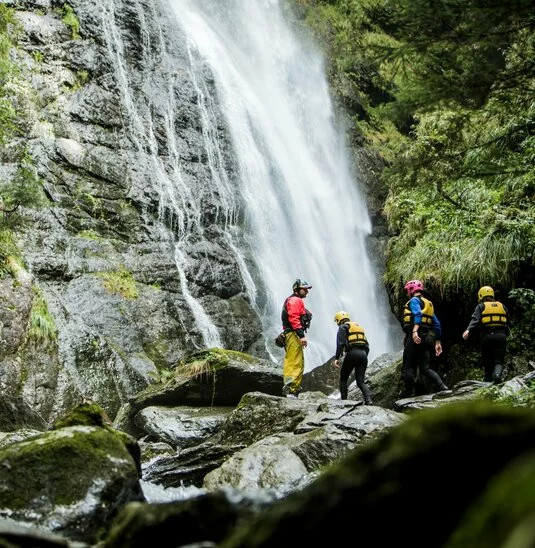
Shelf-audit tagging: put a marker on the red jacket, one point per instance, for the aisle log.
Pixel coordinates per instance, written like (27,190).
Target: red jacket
(292,314)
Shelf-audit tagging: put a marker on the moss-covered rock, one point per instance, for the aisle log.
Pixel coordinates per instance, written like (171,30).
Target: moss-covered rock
(87,413)
(213,377)
(72,480)
(441,458)
(91,414)
(209,517)
(504,515)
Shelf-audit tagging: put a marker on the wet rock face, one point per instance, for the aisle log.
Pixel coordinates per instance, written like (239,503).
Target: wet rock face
(135,230)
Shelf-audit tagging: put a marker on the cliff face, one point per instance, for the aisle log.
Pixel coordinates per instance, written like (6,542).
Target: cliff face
(133,239)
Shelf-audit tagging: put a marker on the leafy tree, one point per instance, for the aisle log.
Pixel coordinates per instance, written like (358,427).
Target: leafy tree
(443,91)
(454,123)
(461,192)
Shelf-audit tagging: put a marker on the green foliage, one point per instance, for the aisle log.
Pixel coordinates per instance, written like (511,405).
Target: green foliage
(42,327)
(8,72)
(8,252)
(460,206)
(82,77)
(208,361)
(523,321)
(202,363)
(23,189)
(443,91)
(37,56)
(89,235)
(70,19)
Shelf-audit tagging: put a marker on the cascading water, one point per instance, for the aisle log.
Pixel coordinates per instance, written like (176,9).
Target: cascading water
(304,216)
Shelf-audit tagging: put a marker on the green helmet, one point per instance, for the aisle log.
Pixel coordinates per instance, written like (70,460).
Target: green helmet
(300,284)
(485,291)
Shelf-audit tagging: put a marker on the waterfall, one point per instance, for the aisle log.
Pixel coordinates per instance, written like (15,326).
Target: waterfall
(304,215)
(179,208)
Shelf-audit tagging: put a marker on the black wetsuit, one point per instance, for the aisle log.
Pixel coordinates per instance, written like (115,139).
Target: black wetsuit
(356,358)
(493,342)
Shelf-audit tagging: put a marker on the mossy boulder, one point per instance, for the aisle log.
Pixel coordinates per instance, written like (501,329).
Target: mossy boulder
(212,377)
(504,515)
(438,459)
(89,413)
(209,516)
(71,481)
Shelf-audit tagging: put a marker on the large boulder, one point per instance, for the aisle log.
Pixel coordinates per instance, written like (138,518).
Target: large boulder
(71,481)
(212,377)
(436,457)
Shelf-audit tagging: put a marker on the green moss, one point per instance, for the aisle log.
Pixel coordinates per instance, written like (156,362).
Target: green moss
(503,515)
(89,235)
(215,356)
(157,349)
(82,77)
(121,283)
(54,460)
(521,398)
(89,413)
(85,414)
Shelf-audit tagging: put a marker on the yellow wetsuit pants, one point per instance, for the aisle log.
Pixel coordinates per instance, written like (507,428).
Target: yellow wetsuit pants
(294,364)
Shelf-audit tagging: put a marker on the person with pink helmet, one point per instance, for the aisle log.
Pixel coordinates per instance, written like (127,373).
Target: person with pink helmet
(422,336)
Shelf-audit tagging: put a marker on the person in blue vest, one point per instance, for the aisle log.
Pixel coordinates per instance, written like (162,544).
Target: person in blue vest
(295,322)
(351,342)
(422,336)
(491,318)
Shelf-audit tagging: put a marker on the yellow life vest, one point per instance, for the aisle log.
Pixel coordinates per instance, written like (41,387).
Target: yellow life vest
(493,314)
(428,312)
(355,335)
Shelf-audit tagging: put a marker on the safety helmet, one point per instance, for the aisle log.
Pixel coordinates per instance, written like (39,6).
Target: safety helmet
(414,285)
(300,284)
(339,317)
(485,291)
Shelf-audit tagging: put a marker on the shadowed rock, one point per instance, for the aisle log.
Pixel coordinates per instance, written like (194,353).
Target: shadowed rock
(449,453)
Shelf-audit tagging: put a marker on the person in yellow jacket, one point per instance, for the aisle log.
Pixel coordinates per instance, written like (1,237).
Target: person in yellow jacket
(491,318)
(295,322)
(351,342)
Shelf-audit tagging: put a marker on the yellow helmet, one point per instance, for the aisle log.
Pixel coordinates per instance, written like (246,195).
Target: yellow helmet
(339,317)
(485,291)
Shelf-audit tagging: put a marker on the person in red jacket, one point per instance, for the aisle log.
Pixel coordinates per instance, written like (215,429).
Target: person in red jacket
(295,322)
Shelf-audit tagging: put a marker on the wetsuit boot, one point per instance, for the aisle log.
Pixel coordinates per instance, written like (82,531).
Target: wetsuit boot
(497,374)
(366,394)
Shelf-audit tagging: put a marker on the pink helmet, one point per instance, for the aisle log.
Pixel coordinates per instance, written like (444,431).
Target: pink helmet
(412,286)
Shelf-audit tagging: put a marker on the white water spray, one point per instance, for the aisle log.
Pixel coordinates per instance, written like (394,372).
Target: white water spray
(304,215)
